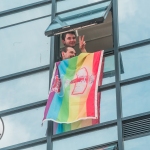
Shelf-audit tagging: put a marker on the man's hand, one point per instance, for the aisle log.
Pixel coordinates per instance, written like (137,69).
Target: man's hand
(82,44)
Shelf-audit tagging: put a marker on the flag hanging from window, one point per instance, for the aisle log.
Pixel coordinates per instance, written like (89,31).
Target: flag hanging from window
(73,90)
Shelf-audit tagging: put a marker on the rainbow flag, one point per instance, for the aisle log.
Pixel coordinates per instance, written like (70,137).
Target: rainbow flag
(73,91)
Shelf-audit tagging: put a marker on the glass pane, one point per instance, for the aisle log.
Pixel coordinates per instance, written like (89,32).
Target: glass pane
(108,106)
(87,139)
(134,21)
(39,147)
(28,15)
(69,4)
(135,98)
(7,4)
(24,47)
(135,62)
(23,127)
(138,144)
(24,90)
(97,11)
(109,70)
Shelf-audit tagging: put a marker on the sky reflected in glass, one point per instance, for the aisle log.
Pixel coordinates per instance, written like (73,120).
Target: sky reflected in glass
(24,47)
(24,90)
(134,20)
(39,147)
(23,127)
(136,98)
(136,62)
(141,143)
(7,4)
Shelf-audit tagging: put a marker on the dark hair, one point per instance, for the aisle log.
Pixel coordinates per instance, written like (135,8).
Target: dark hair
(64,34)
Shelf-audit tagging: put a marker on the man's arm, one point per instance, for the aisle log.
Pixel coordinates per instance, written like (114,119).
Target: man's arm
(82,44)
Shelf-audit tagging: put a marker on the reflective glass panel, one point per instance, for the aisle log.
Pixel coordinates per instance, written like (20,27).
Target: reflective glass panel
(108,106)
(7,4)
(136,98)
(141,143)
(133,20)
(87,139)
(24,90)
(109,70)
(24,47)
(23,127)
(39,147)
(69,4)
(27,15)
(136,62)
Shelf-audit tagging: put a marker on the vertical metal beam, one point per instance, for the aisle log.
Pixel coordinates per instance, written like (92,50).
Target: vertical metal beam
(50,123)
(117,73)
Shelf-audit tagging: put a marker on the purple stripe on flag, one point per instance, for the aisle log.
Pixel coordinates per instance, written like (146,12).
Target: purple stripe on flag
(51,95)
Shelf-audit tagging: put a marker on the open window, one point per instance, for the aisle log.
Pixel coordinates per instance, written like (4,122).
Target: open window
(94,21)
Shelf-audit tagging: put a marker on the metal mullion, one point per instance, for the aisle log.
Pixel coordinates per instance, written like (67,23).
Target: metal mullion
(106,87)
(22,108)
(23,8)
(84,130)
(80,7)
(135,79)
(117,73)
(51,66)
(134,45)
(135,117)
(23,73)
(136,136)
(26,144)
(4,27)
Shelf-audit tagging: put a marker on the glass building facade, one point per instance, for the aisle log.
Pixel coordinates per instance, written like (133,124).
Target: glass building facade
(27,57)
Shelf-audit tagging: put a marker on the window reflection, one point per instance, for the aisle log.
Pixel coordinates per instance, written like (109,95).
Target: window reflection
(108,106)
(25,46)
(136,62)
(134,21)
(138,144)
(109,70)
(135,98)
(23,126)
(7,4)
(24,90)
(39,147)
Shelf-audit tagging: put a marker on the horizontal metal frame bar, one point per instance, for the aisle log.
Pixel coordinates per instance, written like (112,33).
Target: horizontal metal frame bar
(106,87)
(135,79)
(134,45)
(26,144)
(23,73)
(101,146)
(83,6)
(22,108)
(84,130)
(23,8)
(11,25)
(136,117)
(136,136)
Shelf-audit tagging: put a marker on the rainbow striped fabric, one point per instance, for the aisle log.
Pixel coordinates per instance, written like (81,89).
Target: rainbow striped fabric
(73,91)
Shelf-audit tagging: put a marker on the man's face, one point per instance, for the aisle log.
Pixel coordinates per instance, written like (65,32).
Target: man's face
(69,53)
(70,40)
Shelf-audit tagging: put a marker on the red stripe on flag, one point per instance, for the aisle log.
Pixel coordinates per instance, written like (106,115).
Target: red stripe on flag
(90,105)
